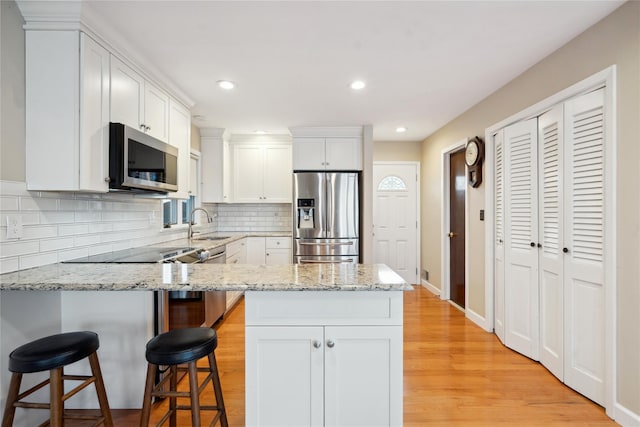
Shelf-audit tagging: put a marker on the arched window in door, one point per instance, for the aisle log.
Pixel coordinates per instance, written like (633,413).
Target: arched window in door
(392,183)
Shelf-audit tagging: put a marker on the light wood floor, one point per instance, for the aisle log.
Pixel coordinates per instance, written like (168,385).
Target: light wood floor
(454,374)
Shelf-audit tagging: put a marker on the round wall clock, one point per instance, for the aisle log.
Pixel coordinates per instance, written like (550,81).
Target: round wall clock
(473,155)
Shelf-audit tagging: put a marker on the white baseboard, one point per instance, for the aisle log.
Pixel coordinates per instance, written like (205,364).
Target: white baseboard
(430,287)
(625,417)
(478,320)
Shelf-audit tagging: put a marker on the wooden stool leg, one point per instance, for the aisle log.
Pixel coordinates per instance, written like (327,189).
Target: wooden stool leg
(100,390)
(146,400)
(217,389)
(173,401)
(56,403)
(12,396)
(195,396)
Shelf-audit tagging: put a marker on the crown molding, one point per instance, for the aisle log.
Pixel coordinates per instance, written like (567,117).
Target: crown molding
(214,133)
(261,139)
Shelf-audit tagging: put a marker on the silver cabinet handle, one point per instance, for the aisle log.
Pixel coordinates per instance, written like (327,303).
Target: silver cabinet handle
(321,261)
(330,344)
(317,344)
(326,244)
(142,127)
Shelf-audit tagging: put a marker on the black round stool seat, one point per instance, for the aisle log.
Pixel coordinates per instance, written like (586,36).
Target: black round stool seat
(53,352)
(181,346)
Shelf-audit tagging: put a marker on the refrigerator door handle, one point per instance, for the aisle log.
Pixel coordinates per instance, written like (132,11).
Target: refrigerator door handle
(318,261)
(329,199)
(326,244)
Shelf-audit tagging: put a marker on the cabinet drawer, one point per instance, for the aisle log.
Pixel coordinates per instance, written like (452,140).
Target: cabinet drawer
(278,242)
(235,247)
(323,308)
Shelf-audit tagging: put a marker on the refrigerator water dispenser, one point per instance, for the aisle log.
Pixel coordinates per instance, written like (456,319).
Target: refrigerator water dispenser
(305,213)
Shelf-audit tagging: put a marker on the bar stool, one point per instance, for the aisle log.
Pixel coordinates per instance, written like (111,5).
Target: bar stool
(52,354)
(171,349)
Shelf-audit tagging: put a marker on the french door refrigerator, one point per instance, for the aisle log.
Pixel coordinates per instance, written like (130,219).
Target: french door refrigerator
(326,218)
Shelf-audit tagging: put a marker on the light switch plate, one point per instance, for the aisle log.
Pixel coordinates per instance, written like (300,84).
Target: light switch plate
(14,227)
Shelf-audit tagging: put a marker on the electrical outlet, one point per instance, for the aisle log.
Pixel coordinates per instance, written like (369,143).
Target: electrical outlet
(481,214)
(425,275)
(14,227)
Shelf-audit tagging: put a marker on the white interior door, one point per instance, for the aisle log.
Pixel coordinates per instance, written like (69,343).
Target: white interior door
(395,218)
(521,252)
(499,236)
(584,268)
(550,179)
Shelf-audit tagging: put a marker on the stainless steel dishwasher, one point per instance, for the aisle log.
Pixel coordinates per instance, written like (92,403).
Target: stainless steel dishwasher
(197,308)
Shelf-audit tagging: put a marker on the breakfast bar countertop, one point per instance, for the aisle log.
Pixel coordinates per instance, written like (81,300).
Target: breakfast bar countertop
(206,277)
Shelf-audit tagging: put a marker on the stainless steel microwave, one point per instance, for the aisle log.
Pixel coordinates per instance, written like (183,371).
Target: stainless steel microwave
(140,161)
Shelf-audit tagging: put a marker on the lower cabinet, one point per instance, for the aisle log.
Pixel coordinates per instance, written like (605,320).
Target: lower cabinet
(325,374)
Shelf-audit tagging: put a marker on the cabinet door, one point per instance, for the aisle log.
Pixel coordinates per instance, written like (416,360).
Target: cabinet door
(94,116)
(248,163)
(277,174)
(156,112)
(284,376)
(278,256)
(180,137)
(363,375)
(127,94)
(212,169)
(308,154)
(255,250)
(343,154)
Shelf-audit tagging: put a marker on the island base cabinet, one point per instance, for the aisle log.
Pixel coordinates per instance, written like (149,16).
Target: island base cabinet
(337,371)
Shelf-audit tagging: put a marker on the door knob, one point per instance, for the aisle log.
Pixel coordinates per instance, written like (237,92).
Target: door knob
(452,234)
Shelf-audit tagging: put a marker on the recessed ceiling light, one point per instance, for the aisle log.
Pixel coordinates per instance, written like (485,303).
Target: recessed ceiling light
(259,132)
(401,129)
(358,85)
(226,84)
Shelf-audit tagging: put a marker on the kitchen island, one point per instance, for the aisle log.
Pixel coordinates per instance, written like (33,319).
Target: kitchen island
(328,336)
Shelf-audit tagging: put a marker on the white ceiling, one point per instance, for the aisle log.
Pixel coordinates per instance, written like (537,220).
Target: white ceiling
(424,62)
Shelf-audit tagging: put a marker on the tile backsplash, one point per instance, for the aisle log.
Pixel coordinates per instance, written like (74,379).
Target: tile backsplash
(63,226)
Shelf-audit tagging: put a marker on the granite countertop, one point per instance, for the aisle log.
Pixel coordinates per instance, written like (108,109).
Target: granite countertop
(206,277)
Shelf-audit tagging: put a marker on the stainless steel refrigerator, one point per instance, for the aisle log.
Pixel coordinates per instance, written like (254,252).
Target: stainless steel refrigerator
(326,219)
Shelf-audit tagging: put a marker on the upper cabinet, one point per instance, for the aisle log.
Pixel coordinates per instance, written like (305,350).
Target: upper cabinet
(138,103)
(180,137)
(75,86)
(262,173)
(67,112)
(327,148)
(216,165)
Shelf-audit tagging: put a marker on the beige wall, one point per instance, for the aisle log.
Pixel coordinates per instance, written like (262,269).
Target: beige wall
(614,40)
(402,151)
(12,78)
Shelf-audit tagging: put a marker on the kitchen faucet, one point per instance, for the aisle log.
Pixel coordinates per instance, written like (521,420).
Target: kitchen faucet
(190,231)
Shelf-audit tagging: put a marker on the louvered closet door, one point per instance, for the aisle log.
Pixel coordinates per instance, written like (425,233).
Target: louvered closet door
(584,239)
(521,233)
(498,140)
(550,217)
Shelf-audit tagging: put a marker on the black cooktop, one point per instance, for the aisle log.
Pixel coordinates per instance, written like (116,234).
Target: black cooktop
(146,254)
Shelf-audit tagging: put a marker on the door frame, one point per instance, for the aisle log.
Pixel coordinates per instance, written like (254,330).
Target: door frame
(418,225)
(607,79)
(445,279)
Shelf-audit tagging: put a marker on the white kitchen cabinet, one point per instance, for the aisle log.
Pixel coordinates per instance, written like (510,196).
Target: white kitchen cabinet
(338,153)
(278,250)
(323,358)
(262,173)
(236,254)
(67,112)
(137,102)
(180,137)
(216,165)
(256,247)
